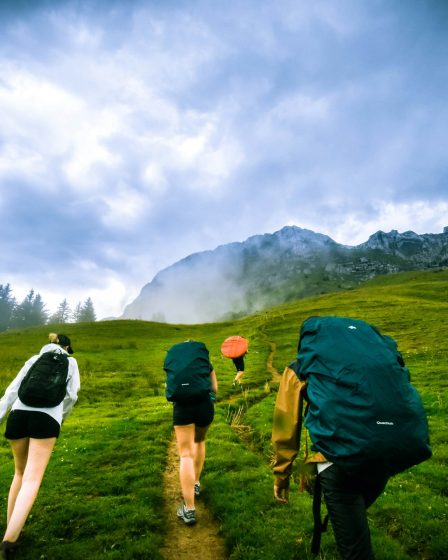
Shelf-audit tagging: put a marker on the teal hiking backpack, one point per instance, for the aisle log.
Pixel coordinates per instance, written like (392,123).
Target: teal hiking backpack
(187,367)
(362,409)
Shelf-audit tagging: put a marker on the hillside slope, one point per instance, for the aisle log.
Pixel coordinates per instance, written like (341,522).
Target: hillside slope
(101,497)
(265,270)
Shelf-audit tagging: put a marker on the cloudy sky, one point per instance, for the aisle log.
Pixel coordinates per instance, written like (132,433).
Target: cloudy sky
(133,133)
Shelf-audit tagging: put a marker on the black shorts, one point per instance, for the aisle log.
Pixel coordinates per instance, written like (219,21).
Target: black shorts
(200,413)
(239,363)
(30,423)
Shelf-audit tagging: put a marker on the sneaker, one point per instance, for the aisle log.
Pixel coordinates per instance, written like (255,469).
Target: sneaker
(197,489)
(187,515)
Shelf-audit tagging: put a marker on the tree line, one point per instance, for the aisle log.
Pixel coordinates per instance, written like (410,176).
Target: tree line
(32,311)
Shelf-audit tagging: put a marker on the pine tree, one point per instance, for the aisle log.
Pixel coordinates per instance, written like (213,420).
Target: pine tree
(77,313)
(86,312)
(30,312)
(7,305)
(22,312)
(62,314)
(39,315)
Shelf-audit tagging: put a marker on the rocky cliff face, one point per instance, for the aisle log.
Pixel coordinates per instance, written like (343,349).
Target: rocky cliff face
(408,245)
(265,270)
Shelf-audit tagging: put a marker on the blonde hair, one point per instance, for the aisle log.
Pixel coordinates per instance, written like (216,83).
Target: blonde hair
(53,337)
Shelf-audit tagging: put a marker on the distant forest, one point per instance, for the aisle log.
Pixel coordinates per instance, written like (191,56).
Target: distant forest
(32,311)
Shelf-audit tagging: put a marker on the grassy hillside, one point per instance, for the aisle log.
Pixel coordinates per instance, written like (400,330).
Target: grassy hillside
(102,496)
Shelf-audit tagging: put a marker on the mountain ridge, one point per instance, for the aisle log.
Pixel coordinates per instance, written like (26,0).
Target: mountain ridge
(239,278)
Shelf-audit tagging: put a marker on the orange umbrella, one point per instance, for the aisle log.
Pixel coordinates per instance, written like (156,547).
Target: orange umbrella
(234,346)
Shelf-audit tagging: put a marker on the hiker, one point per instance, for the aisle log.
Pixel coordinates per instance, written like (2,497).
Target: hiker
(192,386)
(33,431)
(356,386)
(236,348)
(347,497)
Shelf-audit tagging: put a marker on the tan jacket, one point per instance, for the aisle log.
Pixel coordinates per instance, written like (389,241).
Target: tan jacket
(287,427)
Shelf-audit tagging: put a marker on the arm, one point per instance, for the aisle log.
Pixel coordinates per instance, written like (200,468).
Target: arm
(214,381)
(73,386)
(286,430)
(12,391)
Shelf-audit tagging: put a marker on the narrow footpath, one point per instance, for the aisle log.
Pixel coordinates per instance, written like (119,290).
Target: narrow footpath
(276,376)
(198,542)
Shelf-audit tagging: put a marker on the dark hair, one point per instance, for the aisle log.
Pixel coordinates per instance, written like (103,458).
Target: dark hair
(64,340)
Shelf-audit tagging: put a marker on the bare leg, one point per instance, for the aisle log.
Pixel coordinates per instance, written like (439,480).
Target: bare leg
(199,456)
(185,445)
(20,452)
(39,453)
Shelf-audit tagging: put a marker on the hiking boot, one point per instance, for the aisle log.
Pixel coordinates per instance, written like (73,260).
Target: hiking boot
(197,489)
(187,515)
(8,549)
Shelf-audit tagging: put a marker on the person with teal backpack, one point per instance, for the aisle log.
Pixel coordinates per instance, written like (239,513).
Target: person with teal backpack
(191,386)
(365,420)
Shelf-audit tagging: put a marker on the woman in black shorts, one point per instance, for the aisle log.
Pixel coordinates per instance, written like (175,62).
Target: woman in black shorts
(32,432)
(191,422)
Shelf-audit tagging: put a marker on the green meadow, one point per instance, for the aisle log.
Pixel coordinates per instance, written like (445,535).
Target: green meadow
(102,495)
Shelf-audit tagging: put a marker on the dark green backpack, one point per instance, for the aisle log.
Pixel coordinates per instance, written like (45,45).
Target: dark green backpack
(45,383)
(187,366)
(362,409)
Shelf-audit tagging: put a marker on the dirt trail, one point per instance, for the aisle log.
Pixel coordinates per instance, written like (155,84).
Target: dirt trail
(198,542)
(276,376)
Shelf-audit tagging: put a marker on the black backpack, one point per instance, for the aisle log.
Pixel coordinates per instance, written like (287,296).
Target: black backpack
(45,383)
(187,366)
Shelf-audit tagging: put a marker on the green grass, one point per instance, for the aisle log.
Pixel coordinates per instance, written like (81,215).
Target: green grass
(101,496)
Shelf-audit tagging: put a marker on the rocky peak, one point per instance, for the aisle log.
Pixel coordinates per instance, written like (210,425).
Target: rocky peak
(242,277)
(382,241)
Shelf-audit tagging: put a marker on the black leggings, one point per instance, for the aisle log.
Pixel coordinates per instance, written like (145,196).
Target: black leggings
(347,498)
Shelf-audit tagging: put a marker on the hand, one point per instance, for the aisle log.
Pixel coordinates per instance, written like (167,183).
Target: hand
(281,494)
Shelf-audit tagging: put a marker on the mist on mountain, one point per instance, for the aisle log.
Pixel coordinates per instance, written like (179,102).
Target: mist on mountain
(265,270)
